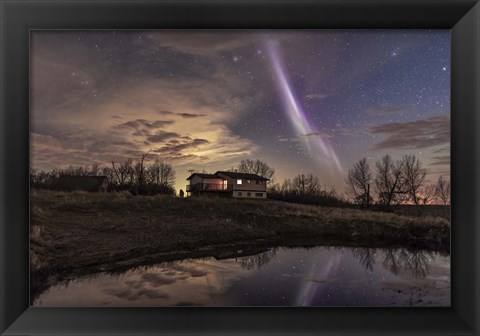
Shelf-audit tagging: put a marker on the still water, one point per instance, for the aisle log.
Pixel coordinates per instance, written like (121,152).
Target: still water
(319,276)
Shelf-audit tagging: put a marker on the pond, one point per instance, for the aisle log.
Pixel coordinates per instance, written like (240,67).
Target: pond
(319,276)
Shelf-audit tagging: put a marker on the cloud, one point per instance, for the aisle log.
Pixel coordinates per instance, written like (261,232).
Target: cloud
(288,139)
(417,134)
(440,160)
(202,42)
(183,115)
(177,148)
(441,150)
(86,135)
(317,134)
(384,110)
(317,96)
(161,136)
(142,123)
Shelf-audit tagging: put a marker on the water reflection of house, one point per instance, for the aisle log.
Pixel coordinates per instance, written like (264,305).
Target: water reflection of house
(84,183)
(231,184)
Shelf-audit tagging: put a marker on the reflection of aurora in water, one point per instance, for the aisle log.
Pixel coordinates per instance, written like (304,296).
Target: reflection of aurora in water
(314,139)
(319,276)
(416,262)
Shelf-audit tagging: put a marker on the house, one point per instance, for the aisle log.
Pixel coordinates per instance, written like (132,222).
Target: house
(231,184)
(84,183)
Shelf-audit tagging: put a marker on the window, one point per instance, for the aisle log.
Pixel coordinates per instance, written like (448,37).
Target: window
(259,194)
(249,194)
(239,181)
(239,193)
(248,181)
(259,182)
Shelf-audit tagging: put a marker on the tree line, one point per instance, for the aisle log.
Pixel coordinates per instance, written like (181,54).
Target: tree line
(394,182)
(130,174)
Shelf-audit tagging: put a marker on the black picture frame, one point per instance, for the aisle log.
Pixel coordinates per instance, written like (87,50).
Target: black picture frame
(18,17)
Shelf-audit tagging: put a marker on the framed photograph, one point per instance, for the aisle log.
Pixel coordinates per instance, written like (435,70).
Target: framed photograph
(182,168)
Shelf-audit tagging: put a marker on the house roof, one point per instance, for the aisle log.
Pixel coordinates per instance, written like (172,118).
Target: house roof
(76,182)
(242,175)
(203,176)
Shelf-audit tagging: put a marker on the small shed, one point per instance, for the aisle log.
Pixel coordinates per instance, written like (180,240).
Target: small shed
(83,183)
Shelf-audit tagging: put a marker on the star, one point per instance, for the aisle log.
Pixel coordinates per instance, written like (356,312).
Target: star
(394,53)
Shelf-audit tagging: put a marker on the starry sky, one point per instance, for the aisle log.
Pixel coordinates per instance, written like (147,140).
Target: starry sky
(304,101)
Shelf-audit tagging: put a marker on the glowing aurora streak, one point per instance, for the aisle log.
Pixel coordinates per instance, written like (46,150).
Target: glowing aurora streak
(315,144)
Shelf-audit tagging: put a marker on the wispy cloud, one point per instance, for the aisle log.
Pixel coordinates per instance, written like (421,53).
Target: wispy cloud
(384,109)
(183,115)
(317,96)
(440,160)
(417,134)
(317,134)
(142,123)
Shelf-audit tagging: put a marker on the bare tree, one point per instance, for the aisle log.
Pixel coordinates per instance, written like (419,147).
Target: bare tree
(414,177)
(306,185)
(124,172)
(108,172)
(286,186)
(429,194)
(388,179)
(162,173)
(94,169)
(358,182)
(443,190)
(140,170)
(257,167)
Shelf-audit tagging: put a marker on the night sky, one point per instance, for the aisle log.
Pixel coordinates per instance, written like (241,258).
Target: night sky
(303,101)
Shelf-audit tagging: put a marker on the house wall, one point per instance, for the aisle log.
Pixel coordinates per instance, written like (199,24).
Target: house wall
(250,194)
(213,181)
(247,190)
(196,179)
(245,186)
(215,184)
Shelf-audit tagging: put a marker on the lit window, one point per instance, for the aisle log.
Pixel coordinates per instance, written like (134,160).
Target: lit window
(239,181)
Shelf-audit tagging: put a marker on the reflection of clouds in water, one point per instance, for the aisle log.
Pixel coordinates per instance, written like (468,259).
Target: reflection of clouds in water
(182,283)
(170,277)
(133,294)
(193,271)
(317,276)
(157,280)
